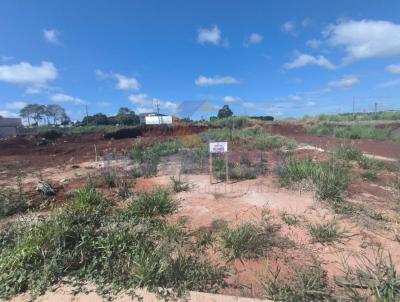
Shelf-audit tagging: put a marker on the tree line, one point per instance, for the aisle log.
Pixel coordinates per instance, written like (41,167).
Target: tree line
(125,117)
(47,114)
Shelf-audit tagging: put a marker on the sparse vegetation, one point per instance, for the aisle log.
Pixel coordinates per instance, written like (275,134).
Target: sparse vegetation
(13,200)
(114,249)
(251,137)
(289,219)
(376,276)
(369,175)
(330,178)
(300,283)
(179,185)
(354,131)
(348,152)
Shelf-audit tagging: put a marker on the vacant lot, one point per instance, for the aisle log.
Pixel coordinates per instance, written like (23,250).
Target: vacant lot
(305,216)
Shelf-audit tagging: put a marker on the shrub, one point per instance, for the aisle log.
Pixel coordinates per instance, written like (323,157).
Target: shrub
(331,179)
(294,170)
(158,202)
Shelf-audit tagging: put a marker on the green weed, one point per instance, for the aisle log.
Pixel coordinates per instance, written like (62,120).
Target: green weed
(301,283)
(289,219)
(328,232)
(155,203)
(179,185)
(247,241)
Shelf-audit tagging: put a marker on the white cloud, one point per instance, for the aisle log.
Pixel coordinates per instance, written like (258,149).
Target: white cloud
(25,73)
(253,39)
(212,36)
(6,113)
(345,82)
(217,80)
(310,103)
(64,98)
(103,104)
(140,110)
(248,105)
(390,83)
(365,39)
(295,98)
(123,82)
(305,59)
(231,99)
(314,43)
(101,75)
(33,90)
(52,36)
(168,105)
(306,22)
(5,59)
(289,27)
(394,69)
(14,105)
(143,101)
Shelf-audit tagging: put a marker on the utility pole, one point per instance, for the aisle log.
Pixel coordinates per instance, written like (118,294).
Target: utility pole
(87,116)
(376,107)
(158,107)
(354,105)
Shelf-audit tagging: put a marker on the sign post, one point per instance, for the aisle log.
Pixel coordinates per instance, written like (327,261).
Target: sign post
(219,147)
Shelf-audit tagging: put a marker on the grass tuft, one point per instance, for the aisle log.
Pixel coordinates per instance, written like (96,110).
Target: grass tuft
(158,202)
(247,241)
(328,232)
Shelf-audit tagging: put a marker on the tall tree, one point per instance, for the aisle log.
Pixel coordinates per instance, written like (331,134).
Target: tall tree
(27,113)
(224,112)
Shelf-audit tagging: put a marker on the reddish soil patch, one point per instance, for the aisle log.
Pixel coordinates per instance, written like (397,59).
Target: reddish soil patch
(297,132)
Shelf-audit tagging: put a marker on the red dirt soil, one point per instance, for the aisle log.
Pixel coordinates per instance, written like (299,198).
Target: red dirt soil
(297,132)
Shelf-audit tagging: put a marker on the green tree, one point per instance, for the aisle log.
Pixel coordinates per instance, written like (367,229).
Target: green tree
(127,117)
(224,112)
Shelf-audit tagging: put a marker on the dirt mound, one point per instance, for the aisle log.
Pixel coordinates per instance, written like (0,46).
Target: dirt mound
(154,130)
(50,134)
(124,133)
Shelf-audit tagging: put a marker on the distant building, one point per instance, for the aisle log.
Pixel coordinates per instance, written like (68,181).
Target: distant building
(9,126)
(154,118)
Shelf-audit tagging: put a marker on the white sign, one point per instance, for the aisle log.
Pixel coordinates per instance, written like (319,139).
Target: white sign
(219,147)
(158,120)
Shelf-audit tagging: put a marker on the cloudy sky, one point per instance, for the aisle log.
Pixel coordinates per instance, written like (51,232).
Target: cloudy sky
(286,58)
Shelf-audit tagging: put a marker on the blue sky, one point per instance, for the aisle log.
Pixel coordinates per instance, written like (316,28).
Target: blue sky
(286,58)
